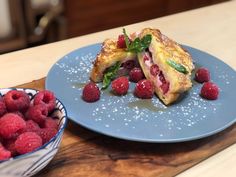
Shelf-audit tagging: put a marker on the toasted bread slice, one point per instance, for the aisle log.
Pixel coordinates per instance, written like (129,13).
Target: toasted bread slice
(169,83)
(109,55)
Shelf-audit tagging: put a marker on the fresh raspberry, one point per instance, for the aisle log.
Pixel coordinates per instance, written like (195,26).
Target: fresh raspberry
(45,97)
(50,123)
(37,113)
(121,41)
(19,114)
(165,85)
(154,70)
(16,100)
(3,108)
(120,86)
(28,142)
(47,134)
(144,89)
(9,125)
(136,74)
(202,75)
(31,126)
(4,154)
(10,146)
(91,92)
(210,91)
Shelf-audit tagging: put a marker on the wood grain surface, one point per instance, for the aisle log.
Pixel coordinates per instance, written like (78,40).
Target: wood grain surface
(84,153)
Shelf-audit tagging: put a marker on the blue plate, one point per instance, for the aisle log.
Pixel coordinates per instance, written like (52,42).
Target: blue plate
(130,118)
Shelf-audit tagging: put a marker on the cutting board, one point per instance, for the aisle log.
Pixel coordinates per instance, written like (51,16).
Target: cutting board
(84,153)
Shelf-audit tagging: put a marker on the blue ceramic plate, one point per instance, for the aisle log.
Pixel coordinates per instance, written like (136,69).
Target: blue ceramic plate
(130,118)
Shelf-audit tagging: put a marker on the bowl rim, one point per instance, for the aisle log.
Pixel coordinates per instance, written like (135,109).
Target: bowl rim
(62,128)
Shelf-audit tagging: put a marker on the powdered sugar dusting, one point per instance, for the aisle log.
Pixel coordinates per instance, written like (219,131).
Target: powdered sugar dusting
(132,115)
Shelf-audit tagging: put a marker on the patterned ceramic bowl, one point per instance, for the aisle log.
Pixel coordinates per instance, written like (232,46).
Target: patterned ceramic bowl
(31,163)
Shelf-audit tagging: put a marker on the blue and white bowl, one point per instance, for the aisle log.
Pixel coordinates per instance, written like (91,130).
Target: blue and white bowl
(31,163)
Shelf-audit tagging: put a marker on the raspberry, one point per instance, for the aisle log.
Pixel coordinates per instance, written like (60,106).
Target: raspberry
(47,133)
(3,108)
(19,114)
(4,154)
(9,125)
(45,97)
(144,89)
(10,146)
(16,100)
(50,123)
(210,91)
(91,92)
(154,70)
(120,86)
(27,142)
(202,75)
(31,126)
(121,41)
(136,74)
(37,113)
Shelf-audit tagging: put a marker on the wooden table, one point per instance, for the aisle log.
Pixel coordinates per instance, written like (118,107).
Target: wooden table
(85,153)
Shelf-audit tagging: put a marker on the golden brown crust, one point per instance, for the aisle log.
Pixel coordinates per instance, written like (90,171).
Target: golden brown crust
(163,48)
(108,56)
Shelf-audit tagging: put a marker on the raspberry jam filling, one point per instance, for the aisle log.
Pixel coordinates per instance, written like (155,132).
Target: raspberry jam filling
(156,74)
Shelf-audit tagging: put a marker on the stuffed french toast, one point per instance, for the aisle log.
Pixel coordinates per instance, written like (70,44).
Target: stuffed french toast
(111,57)
(163,61)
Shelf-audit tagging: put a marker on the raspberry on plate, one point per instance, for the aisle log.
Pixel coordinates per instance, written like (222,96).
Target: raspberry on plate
(136,74)
(16,100)
(210,91)
(154,70)
(202,75)
(91,92)
(27,142)
(45,97)
(37,113)
(121,41)
(120,86)
(47,134)
(9,125)
(3,108)
(4,154)
(144,89)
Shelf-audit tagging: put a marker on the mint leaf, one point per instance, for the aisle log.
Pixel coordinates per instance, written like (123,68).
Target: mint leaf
(177,66)
(138,45)
(110,74)
(126,38)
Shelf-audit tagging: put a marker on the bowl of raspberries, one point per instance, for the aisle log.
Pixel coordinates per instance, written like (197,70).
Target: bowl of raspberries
(31,127)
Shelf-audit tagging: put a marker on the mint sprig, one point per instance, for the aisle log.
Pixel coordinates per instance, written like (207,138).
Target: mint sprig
(177,66)
(138,45)
(110,74)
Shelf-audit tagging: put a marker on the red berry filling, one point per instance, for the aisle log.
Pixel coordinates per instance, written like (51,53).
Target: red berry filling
(156,74)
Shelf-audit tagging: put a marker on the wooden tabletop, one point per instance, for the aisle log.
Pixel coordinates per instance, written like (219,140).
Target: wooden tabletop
(85,153)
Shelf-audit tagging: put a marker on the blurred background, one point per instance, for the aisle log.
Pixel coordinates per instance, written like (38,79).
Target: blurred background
(28,23)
